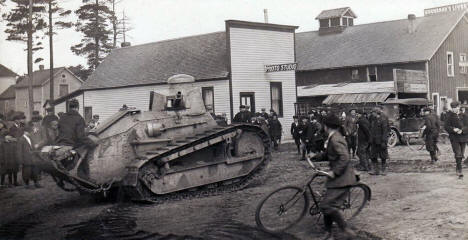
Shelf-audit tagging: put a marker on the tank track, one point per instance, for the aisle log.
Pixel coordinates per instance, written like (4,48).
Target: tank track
(218,188)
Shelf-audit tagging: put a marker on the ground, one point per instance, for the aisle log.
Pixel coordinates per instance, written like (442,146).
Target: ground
(416,200)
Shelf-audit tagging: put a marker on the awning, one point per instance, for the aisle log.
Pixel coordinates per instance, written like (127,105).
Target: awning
(408,101)
(356,98)
(345,88)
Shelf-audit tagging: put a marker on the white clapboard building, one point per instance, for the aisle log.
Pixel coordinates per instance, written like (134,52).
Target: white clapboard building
(247,64)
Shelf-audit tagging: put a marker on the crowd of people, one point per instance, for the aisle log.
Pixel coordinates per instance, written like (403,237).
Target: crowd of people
(19,140)
(267,121)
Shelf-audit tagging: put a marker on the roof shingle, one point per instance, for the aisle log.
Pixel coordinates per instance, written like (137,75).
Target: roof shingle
(332,13)
(202,56)
(375,43)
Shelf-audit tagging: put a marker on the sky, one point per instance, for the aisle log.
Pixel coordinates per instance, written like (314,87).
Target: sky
(155,20)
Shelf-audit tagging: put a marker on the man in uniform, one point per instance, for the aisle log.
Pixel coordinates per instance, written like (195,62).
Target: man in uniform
(350,125)
(72,128)
(379,127)
(363,138)
(341,175)
(458,134)
(431,130)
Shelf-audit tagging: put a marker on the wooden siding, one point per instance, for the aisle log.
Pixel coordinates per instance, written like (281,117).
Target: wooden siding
(251,50)
(6,105)
(73,85)
(5,82)
(107,102)
(329,76)
(457,42)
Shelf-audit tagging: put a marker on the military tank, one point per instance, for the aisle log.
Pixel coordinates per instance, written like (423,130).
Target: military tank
(175,150)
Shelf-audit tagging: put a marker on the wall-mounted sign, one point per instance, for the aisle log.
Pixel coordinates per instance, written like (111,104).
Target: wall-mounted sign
(281,67)
(410,81)
(448,8)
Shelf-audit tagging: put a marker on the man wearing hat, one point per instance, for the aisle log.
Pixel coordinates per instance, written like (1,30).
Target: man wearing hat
(430,133)
(379,128)
(363,139)
(72,128)
(264,114)
(295,133)
(458,134)
(341,175)
(15,132)
(49,117)
(242,116)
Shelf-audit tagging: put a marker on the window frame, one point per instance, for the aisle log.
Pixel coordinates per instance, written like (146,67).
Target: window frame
(85,115)
(279,85)
(204,89)
(250,95)
(452,65)
(68,89)
(354,77)
(463,69)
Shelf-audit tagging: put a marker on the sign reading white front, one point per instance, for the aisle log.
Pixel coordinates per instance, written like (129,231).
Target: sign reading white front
(281,67)
(448,8)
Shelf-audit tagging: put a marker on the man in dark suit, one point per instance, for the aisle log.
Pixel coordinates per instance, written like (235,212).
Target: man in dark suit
(341,175)
(295,133)
(379,128)
(242,116)
(458,134)
(24,153)
(431,130)
(363,139)
(350,125)
(72,128)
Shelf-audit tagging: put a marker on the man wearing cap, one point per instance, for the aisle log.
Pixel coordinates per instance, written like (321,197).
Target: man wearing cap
(242,116)
(49,117)
(363,139)
(15,132)
(72,128)
(295,133)
(341,175)
(379,127)
(350,125)
(431,130)
(264,114)
(458,134)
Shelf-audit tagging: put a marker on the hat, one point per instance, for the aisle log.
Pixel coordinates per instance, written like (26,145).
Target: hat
(331,120)
(271,110)
(241,106)
(263,109)
(294,117)
(36,118)
(73,103)
(19,116)
(454,104)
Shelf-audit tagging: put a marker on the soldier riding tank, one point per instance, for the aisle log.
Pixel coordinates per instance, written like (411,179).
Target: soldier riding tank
(175,150)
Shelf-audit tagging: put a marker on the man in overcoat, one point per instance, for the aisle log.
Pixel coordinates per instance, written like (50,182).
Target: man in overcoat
(24,153)
(295,133)
(379,128)
(431,130)
(458,134)
(363,139)
(275,131)
(350,125)
(341,176)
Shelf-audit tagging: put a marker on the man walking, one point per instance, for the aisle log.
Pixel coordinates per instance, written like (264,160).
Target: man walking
(275,131)
(379,136)
(458,135)
(363,139)
(295,134)
(431,130)
(340,176)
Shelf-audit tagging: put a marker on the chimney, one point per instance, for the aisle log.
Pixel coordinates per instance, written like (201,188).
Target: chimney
(265,15)
(411,23)
(41,67)
(125,44)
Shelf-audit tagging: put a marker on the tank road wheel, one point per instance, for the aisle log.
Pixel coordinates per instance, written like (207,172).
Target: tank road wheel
(248,143)
(392,138)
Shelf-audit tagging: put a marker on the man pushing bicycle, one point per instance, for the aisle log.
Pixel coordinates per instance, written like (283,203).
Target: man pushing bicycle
(340,176)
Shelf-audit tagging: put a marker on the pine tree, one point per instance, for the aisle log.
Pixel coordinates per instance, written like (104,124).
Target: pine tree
(93,23)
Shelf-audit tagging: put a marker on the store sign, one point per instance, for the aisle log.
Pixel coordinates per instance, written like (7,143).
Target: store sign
(281,67)
(410,81)
(448,8)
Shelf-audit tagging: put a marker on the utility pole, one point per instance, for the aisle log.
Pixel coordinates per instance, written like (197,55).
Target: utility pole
(51,56)
(30,64)
(96,37)
(123,26)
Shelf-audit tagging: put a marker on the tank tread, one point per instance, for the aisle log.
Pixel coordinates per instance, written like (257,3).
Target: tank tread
(226,186)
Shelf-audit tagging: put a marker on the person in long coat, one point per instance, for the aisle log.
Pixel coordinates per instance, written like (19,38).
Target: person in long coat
(12,164)
(458,134)
(3,133)
(363,139)
(302,130)
(430,134)
(350,125)
(275,131)
(24,153)
(295,133)
(340,176)
(379,128)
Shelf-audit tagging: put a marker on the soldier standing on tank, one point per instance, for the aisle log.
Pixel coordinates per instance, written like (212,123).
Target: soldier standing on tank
(430,134)
(242,116)
(295,133)
(379,136)
(458,134)
(72,128)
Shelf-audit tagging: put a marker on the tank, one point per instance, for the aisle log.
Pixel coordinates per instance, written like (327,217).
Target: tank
(175,150)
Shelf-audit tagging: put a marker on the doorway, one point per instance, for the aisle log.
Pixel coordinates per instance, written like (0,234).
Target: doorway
(248,99)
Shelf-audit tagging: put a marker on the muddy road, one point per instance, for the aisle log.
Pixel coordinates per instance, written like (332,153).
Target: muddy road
(415,201)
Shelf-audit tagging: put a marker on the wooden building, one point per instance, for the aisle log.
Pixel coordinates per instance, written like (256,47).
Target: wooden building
(7,100)
(64,80)
(426,56)
(7,78)
(247,64)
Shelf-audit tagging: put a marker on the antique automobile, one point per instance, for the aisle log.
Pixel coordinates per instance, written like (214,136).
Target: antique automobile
(176,150)
(405,118)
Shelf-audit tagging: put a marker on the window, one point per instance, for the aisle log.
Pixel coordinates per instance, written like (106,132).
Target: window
(324,23)
(345,21)
(355,74)
(276,93)
(450,69)
(248,99)
(208,98)
(372,74)
(463,64)
(335,22)
(63,90)
(88,114)
(350,22)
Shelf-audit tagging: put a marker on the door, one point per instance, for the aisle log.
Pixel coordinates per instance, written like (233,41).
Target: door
(435,101)
(248,99)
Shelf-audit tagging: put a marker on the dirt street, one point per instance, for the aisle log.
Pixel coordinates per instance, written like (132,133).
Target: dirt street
(414,201)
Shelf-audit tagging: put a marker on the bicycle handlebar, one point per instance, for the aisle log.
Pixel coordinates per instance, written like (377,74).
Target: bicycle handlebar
(316,169)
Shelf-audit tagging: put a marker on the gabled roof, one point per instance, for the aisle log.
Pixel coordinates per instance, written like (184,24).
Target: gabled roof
(375,43)
(9,93)
(40,77)
(6,72)
(333,13)
(203,57)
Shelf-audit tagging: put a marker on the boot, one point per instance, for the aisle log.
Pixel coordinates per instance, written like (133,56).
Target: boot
(459,167)
(433,157)
(384,168)
(375,168)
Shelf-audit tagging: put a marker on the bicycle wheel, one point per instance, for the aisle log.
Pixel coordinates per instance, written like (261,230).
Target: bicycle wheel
(356,199)
(281,209)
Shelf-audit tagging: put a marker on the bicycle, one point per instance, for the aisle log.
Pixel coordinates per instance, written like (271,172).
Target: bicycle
(290,203)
